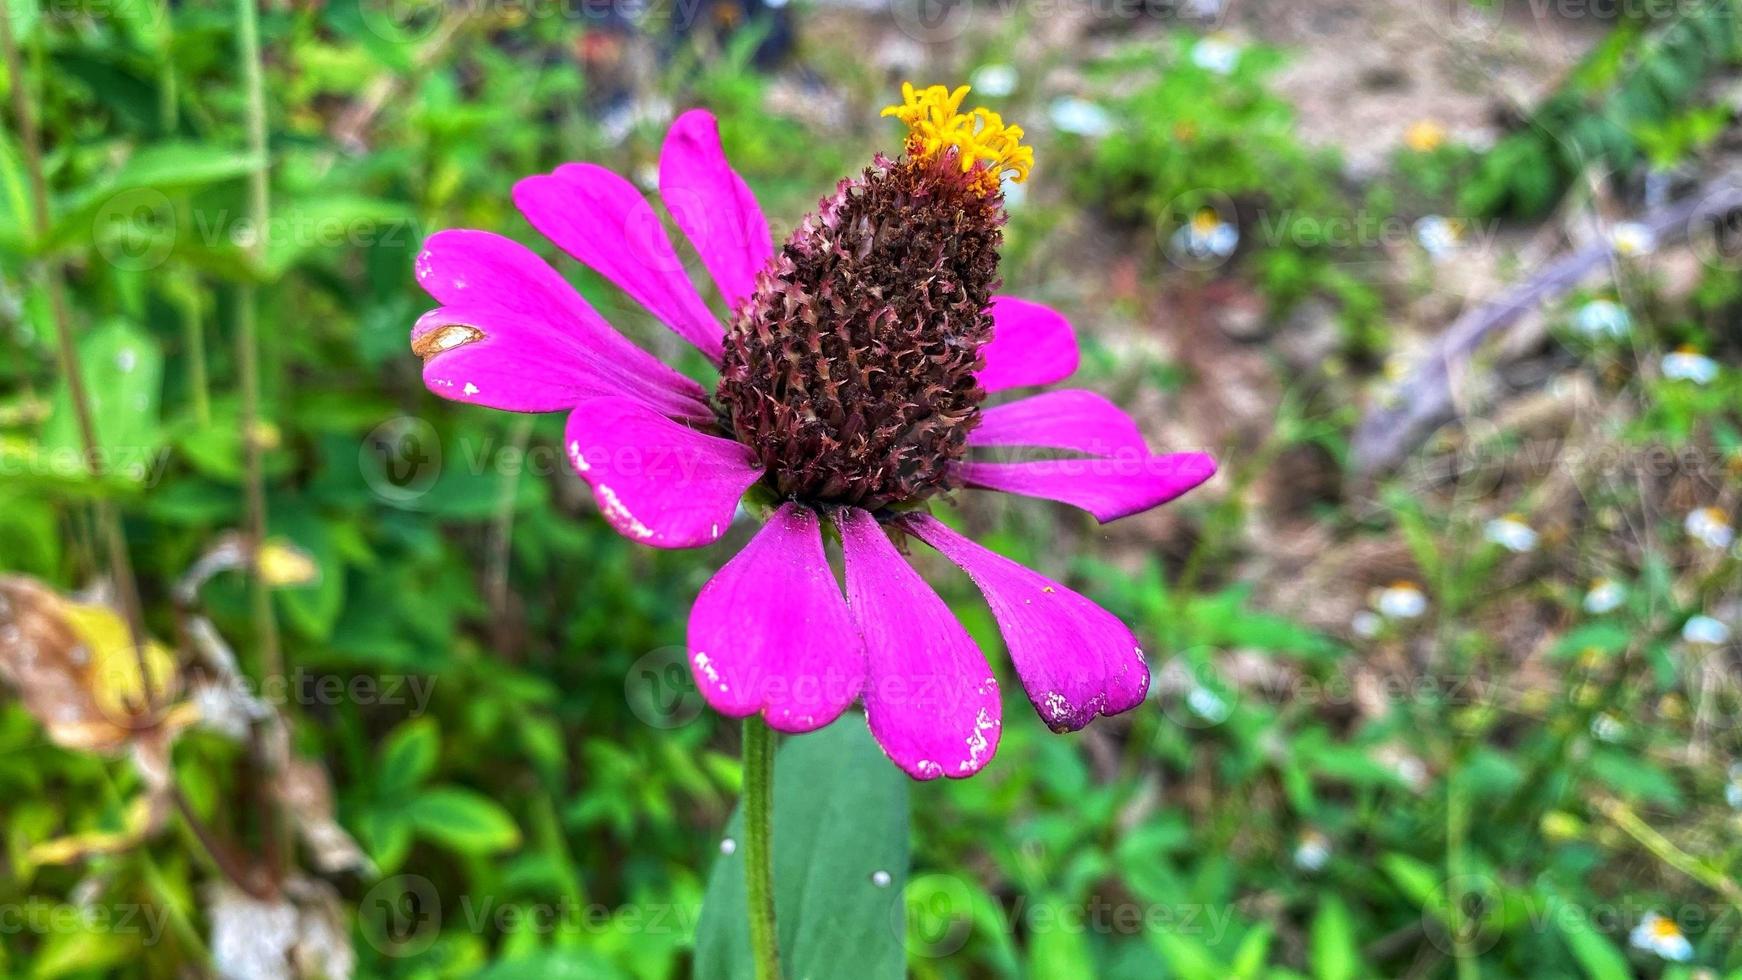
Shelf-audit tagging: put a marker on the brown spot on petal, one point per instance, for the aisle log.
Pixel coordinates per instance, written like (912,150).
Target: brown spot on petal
(445,338)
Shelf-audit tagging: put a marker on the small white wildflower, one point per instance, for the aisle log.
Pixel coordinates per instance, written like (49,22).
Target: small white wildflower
(1512,533)
(1207,704)
(1688,364)
(1605,596)
(1366,624)
(1216,54)
(1705,630)
(1412,770)
(1607,728)
(1079,117)
(1733,787)
(1660,935)
(1402,600)
(1602,318)
(1710,527)
(1632,238)
(1312,851)
(996,81)
(1438,236)
(1206,236)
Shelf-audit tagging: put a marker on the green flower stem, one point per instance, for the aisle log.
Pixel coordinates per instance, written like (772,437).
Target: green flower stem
(247,351)
(275,820)
(758,849)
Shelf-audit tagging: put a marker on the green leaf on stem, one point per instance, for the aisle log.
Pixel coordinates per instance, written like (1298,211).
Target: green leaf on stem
(840,865)
(122,370)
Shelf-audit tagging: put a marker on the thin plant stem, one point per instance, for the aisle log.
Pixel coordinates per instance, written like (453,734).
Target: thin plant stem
(247,345)
(502,533)
(108,519)
(758,849)
(225,858)
(167,897)
(167,94)
(274,821)
(194,336)
(1457,827)
(169,118)
(1665,850)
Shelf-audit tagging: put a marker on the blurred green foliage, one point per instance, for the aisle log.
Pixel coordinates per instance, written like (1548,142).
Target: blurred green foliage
(1638,99)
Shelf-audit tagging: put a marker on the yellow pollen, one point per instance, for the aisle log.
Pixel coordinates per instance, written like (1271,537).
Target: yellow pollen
(936,123)
(1665,928)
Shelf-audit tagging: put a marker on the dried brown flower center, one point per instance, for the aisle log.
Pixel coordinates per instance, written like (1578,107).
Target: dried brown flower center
(850,372)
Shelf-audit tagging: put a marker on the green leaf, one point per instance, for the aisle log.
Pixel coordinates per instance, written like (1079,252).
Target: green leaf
(15,216)
(1634,777)
(389,834)
(81,950)
(122,370)
(408,758)
(143,183)
(1603,637)
(1056,952)
(1254,950)
(1333,942)
(840,827)
(1417,879)
(313,608)
(1186,957)
(1597,956)
(463,820)
(301,227)
(565,964)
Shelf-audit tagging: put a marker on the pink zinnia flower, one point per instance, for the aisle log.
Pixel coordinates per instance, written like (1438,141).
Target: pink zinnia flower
(853,368)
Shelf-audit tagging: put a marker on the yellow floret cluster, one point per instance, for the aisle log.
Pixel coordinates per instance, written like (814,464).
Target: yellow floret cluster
(935,123)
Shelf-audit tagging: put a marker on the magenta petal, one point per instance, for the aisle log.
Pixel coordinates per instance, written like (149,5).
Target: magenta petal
(930,700)
(713,205)
(518,363)
(605,223)
(1068,419)
(1109,487)
(479,271)
(770,631)
(1030,345)
(657,482)
(1075,659)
